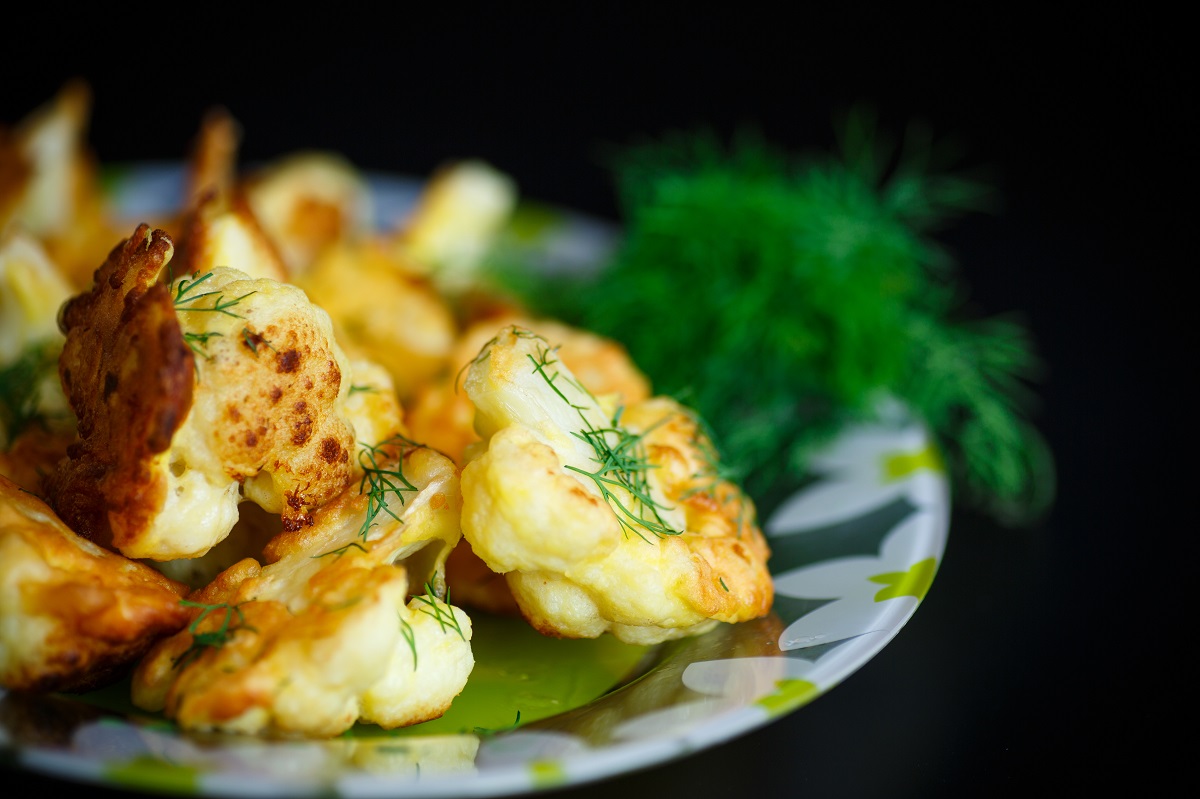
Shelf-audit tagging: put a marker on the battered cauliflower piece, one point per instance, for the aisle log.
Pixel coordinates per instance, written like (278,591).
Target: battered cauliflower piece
(383,312)
(219,231)
(73,616)
(603,520)
(373,410)
(218,226)
(345,623)
(50,142)
(212,161)
(308,201)
(194,397)
(457,217)
(49,185)
(31,291)
(442,416)
(35,422)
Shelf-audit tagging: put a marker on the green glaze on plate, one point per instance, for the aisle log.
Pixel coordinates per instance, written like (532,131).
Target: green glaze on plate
(519,670)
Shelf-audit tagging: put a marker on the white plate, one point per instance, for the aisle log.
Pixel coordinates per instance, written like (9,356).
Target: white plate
(854,553)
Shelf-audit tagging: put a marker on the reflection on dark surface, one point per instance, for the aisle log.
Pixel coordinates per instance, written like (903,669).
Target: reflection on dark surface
(663,687)
(37,720)
(860,535)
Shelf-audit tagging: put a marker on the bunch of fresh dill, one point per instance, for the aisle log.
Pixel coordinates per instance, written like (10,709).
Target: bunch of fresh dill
(783,298)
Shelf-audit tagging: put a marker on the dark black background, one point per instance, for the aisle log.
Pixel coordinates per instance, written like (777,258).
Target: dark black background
(1042,658)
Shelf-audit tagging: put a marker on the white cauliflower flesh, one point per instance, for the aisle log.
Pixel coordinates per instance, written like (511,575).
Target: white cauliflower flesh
(345,624)
(603,521)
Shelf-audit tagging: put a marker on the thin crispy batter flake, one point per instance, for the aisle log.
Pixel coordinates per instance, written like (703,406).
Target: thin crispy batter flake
(128,375)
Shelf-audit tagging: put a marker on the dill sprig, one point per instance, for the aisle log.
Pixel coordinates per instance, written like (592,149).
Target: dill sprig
(410,638)
(337,553)
(487,732)
(211,639)
(380,481)
(186,297)
(198,343)
(802,292)
(254,340)
(620,457)
(439,610)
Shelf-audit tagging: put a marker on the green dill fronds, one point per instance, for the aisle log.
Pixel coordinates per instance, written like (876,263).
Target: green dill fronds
(788,297)
(620,458)
(198,343)
(487,732)
(186,298)
(410,637)
(212,639)
(970,382)
(254,340)
(337,553)
(379,482)
(439,611)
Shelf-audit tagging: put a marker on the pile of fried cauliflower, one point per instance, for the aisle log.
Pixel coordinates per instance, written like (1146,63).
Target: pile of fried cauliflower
(250,449)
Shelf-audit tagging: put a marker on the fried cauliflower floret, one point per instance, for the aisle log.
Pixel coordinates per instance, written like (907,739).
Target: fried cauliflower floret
(73,616)
(343,624)
(457,217)
(382,312)
(308,201)
(212,162)
(442,416)
(603,521)
(31,291)
(50,139)
(219,231)
(372,409)
(217,226)
(372,405)
(49,183)
(35,422)
(267,422)
(194,397)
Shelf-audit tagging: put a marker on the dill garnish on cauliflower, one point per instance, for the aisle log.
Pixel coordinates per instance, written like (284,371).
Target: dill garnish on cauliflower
(603,518)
